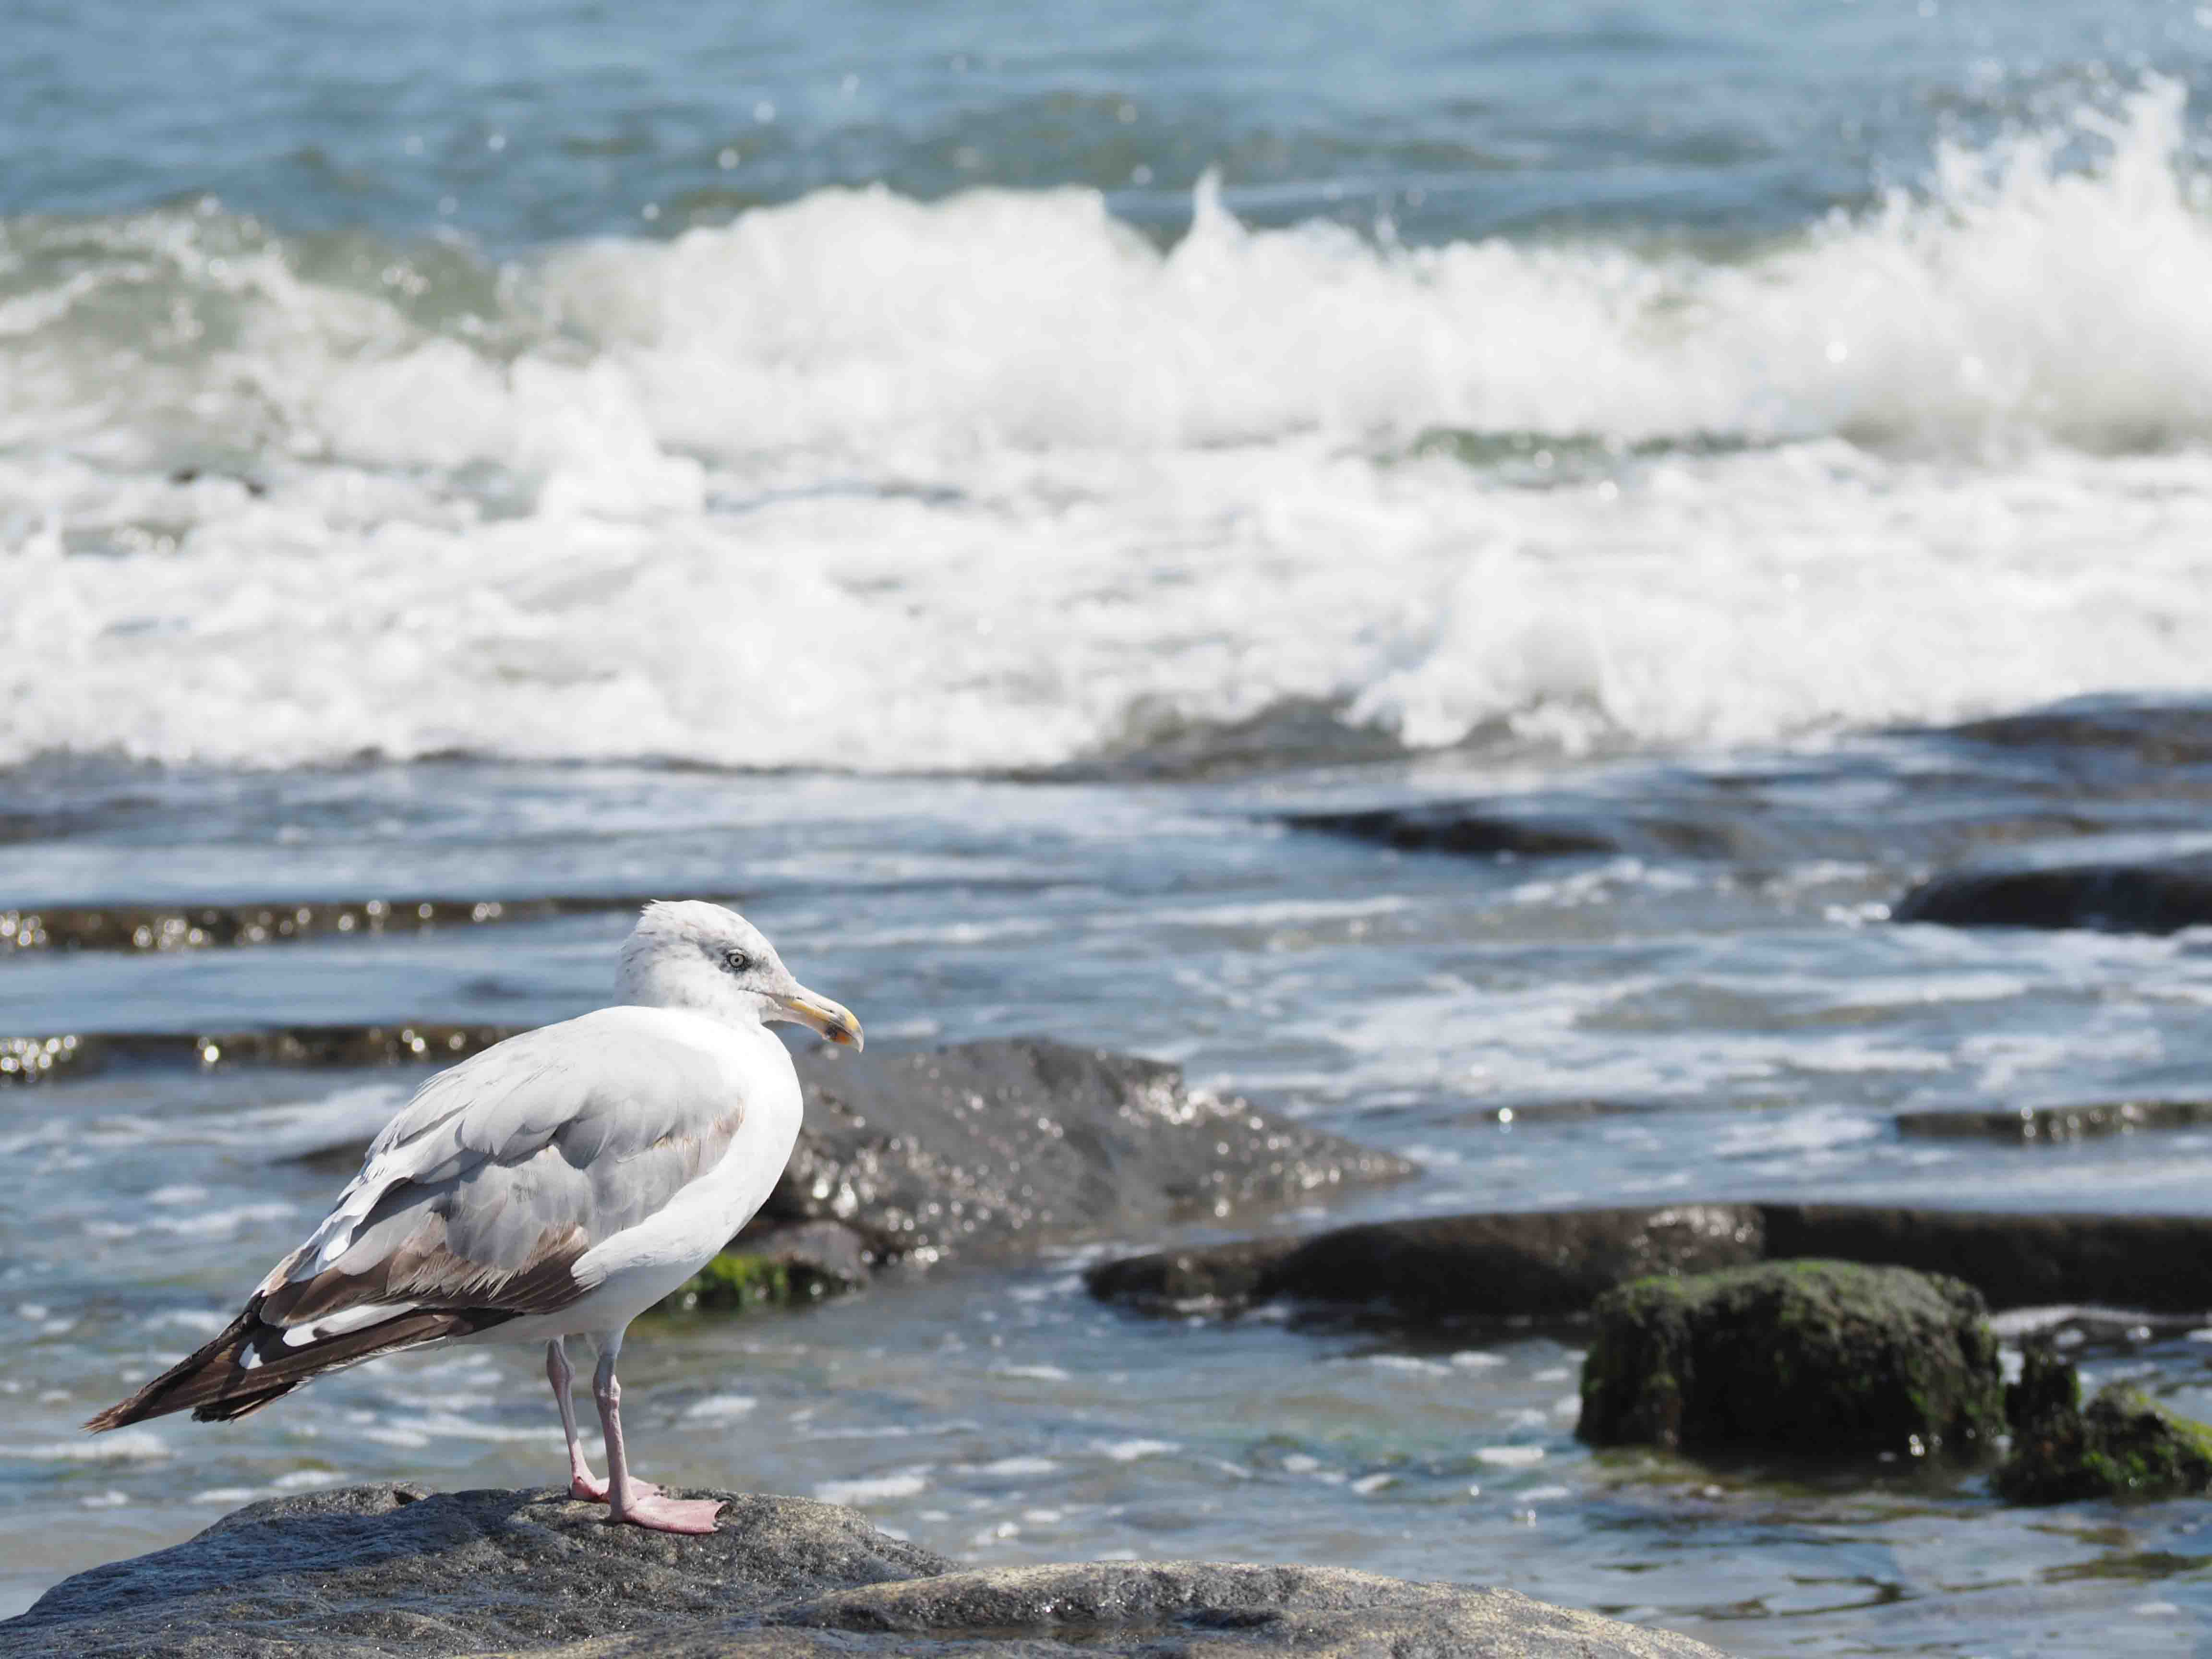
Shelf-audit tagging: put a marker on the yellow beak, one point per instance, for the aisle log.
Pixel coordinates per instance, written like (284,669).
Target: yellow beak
(833,1020)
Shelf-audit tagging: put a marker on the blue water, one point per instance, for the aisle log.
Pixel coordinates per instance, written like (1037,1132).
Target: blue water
(517,124)
(955,477)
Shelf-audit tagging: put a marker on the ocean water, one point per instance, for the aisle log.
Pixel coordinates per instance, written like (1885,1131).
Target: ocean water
(957,476)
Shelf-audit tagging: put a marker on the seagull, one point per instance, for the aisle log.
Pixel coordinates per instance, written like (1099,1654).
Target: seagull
(557,1184)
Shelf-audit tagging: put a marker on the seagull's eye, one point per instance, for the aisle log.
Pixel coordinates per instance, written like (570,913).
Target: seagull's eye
(736,962)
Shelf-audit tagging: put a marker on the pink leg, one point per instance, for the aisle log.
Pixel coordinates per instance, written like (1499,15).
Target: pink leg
(582,1483)
(637,1502)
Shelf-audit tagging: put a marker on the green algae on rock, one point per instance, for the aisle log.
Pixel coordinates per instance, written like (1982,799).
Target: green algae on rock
(2124,1445)
(774,1267)
(1826,1360)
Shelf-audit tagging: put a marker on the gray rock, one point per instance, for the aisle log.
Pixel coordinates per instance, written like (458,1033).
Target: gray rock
(1471,827)
(378,1570)
(1195,1608)
(2057,1123)
(1014,1144)
(49,1058)
(2015,1260)
(1540,1262)
(1828,1359)
(1559,1261)
(2114,883)
(201,926)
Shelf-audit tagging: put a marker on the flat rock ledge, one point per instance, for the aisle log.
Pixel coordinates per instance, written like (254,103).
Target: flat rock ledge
(363,1571)
(1552,1263)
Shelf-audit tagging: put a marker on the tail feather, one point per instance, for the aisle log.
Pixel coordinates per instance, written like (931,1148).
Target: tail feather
(249,1364)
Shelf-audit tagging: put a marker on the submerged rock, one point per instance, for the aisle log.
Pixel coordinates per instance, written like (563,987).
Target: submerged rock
(1473,829)
(2057,1123)
(2124,1445)
(1813,1358)
(1558,1262)
(365,1570)
(2115,883)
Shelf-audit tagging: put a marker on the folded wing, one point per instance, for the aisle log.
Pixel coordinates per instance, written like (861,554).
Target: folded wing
(473,1208)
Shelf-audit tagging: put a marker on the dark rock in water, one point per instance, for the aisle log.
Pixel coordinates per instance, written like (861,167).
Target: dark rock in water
(2120,884)
(2015,1260)
(1825,1360)
(1475,829)
(782,1265)
(368,1570)
(1028,1142)
(1559,1261)
(2156,734)
(48,1059)
(2057,1123)
(1543,1262)
(199,926)
(2124,1445)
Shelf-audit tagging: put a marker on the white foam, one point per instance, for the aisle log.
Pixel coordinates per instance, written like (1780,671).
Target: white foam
(750,503)
(719,1408)
(1129,1451)
(1015,1466)
(1406,1362)
(1511,1457)
(121,1446)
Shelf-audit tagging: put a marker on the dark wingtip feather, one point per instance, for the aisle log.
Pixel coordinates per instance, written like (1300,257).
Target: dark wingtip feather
(216,1384)
(188,1381)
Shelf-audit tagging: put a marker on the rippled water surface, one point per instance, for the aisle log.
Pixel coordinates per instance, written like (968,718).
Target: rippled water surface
(1661,1027)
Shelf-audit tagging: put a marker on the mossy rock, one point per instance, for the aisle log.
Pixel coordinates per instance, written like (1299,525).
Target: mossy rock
(2124,1445)
(1818,1360)
(736,1280)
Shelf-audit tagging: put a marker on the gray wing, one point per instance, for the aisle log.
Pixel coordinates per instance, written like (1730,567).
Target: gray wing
(501,1172)
(473,1208)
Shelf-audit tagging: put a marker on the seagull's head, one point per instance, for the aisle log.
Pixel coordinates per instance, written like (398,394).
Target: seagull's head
(698,957)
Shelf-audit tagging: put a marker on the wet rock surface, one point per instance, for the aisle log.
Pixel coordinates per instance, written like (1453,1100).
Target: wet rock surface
(2123,884)
(2057,1123)
(2016,1260)
(1027,1142)
(2124,1445)
(783,1264)
(204,926)
(54,1059)
(1557,1263)
(378,1570)
(1540,1263)
(1472,828)
(1831,1359)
